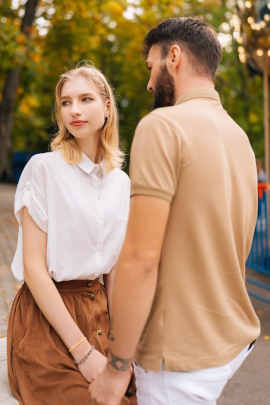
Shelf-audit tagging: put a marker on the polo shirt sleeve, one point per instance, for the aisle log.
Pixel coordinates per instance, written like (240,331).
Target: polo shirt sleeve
(31,193)
(155,158)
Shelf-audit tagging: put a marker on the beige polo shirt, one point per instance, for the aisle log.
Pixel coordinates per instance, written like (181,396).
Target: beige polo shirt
(197,158)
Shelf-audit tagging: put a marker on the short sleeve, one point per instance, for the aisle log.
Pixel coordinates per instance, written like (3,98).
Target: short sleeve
(155,158)
(31,193)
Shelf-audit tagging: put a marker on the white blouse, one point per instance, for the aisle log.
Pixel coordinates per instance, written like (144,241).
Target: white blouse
(83,211)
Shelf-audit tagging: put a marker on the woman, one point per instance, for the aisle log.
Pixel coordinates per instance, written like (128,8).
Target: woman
(72,207)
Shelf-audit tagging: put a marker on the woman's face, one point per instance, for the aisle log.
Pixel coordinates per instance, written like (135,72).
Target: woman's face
(82,108)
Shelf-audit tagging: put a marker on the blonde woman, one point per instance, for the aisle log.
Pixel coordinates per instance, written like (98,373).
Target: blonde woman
(72,206)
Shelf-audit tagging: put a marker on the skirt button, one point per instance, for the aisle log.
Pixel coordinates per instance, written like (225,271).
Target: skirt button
(89,284)
(92,297)
(99,332)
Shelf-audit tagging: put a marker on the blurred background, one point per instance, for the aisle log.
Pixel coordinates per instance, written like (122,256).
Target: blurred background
(40,39)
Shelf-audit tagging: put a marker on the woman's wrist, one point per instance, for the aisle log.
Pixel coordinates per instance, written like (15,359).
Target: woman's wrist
(80,351)
(85,357)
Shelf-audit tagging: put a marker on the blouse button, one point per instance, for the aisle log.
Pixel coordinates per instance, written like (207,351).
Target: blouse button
(92,297)
(99,332)
(98,247)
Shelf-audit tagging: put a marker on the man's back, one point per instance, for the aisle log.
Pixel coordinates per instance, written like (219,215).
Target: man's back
(180,297)
(202,162)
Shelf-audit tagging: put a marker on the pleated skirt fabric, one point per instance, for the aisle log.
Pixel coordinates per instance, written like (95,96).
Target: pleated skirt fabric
(41,371)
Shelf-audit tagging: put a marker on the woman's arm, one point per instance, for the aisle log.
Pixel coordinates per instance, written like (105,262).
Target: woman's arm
(108,284)
(49,300)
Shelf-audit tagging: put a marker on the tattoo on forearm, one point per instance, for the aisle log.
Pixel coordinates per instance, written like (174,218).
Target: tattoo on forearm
(112,338)
(118,363)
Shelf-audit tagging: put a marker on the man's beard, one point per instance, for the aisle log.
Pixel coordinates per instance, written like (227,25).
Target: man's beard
(164,93)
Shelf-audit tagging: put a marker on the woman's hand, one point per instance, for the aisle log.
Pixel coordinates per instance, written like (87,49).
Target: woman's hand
(93,365)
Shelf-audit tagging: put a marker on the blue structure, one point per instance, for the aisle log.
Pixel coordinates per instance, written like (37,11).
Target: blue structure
(19,161)
(259,255)
(259,258)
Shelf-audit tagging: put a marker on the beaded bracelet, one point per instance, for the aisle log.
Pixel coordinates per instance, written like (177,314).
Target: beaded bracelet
(85,357)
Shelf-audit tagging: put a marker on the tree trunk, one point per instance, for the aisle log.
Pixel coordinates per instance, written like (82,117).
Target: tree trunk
(6,115)
(7,105)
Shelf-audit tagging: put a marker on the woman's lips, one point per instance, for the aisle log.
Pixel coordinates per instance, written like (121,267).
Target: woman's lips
(77,123)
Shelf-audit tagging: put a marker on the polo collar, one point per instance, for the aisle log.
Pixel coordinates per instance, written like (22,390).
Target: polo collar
(88,166)
(202,92)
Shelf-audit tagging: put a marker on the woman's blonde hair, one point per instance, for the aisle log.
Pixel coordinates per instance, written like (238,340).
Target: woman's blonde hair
(108,149)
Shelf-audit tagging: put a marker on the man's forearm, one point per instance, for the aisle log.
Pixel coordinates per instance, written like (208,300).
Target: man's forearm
(133,295)
(108,284)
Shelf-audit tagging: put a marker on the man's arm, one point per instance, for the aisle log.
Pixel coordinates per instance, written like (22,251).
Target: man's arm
(136,274)
(135,285)
(108,284)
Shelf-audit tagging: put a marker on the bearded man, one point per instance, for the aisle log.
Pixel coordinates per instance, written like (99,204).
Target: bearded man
(180,307)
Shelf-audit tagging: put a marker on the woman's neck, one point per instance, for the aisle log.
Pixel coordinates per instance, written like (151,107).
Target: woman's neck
(89,147)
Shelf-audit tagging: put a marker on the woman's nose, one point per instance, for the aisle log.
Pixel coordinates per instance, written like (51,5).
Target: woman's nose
(75,110)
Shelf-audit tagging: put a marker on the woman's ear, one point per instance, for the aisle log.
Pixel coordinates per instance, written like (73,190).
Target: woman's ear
(107,107)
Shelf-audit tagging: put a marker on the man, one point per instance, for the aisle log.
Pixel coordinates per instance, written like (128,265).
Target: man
(180,304)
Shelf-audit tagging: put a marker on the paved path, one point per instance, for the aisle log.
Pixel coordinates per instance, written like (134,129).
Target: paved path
(250,385)
(8,242)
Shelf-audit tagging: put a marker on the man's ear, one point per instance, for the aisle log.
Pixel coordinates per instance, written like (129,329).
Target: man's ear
(174,56)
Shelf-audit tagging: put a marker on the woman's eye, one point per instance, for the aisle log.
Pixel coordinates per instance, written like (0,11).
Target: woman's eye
(65,103)
(87,99)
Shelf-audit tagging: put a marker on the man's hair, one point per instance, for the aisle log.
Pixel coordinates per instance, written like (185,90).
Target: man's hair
(194,35)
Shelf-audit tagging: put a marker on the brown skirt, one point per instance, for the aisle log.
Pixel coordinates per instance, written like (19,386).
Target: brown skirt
(40,368)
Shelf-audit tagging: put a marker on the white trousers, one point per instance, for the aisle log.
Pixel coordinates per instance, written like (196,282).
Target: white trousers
(185,388)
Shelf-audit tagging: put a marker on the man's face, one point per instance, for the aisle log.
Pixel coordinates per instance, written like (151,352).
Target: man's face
(161,83)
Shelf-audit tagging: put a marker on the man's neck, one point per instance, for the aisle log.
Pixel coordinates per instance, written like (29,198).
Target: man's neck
(193,83)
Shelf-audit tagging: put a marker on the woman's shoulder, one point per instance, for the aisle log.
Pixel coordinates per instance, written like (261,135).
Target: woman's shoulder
(41,160)
(37,166)
(120,174)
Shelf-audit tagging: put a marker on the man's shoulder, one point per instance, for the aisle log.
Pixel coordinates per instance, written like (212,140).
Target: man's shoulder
(164,117)
(163,113)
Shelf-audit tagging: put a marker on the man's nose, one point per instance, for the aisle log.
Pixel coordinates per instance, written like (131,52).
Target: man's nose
(149,86)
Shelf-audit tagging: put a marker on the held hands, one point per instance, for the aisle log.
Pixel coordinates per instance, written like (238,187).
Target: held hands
(109,387)
(109,381)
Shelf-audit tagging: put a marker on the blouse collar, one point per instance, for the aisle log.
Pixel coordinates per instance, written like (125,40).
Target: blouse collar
(88,166)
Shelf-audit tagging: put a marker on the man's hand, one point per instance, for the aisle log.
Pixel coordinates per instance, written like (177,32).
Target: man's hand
(110,386)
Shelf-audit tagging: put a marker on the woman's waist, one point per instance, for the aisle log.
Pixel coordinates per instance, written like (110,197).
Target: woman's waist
(70,285)
(90,286)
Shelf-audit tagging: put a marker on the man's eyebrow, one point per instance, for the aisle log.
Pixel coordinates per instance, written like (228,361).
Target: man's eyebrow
(80,95)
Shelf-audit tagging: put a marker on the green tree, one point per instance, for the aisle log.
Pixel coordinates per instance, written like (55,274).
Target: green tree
(110,33)
(12,80)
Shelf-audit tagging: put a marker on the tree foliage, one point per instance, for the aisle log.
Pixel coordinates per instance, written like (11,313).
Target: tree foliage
(109,33)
